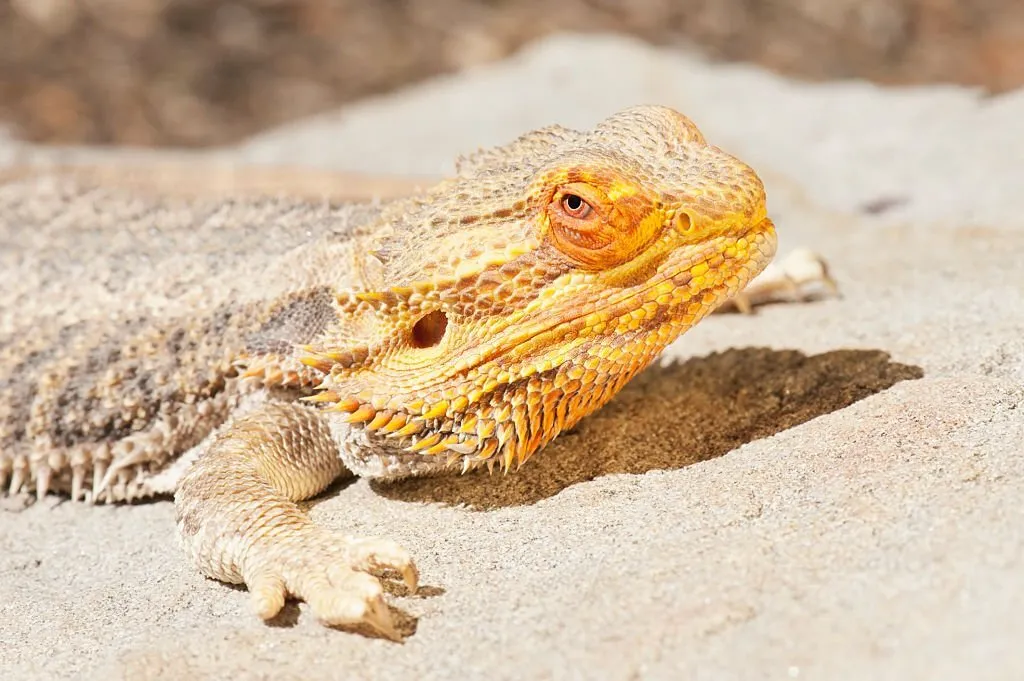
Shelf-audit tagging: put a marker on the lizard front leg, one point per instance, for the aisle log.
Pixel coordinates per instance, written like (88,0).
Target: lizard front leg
(239,523)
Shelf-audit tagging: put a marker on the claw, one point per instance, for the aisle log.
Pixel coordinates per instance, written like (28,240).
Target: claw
(411,577)
(378,616)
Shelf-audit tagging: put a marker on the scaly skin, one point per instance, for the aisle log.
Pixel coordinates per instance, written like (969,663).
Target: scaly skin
(466,326)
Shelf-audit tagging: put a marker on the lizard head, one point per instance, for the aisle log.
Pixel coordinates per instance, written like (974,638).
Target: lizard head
(515,298)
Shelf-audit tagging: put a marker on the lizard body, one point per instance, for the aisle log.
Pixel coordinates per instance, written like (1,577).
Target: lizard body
(244,359)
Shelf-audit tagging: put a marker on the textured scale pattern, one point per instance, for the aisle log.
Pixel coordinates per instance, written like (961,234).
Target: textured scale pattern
(242,355)
(685,226)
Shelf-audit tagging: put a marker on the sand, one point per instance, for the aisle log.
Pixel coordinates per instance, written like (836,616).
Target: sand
(832,490)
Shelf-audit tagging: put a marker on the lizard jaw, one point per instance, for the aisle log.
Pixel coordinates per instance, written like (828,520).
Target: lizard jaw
(504,406)
(719,268)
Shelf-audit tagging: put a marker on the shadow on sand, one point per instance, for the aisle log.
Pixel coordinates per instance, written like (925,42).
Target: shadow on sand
(675,415)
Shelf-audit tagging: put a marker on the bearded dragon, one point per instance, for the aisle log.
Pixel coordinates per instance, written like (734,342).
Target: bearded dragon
(243,355)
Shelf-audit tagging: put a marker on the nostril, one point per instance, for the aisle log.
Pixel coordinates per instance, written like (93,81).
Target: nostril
(429,329)
(684,223)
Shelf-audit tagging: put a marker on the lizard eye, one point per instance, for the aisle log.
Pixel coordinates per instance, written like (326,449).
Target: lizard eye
(597,230)
(429,329)
(578,224)
(575,207)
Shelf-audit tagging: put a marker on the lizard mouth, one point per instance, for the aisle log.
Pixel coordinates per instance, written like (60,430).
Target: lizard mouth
(719,268)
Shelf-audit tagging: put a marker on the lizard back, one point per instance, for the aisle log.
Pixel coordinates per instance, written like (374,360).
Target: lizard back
(121,317)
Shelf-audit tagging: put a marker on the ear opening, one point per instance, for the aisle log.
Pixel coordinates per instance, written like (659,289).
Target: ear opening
(429,330)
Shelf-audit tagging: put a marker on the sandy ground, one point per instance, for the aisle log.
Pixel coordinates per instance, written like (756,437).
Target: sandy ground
(825,491)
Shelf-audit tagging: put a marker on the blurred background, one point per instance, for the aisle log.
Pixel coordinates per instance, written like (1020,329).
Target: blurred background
(196,73)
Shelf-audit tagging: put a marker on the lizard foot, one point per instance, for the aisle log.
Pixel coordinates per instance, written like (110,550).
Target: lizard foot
(801,275)
(335,575)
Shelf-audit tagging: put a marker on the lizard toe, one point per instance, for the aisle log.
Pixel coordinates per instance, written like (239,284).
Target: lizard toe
(268,594)
(347,597)
(332,574)
(375,555)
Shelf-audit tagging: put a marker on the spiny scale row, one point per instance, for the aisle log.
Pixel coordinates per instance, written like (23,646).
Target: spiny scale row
(109,482)
(118,469)
(475,437)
